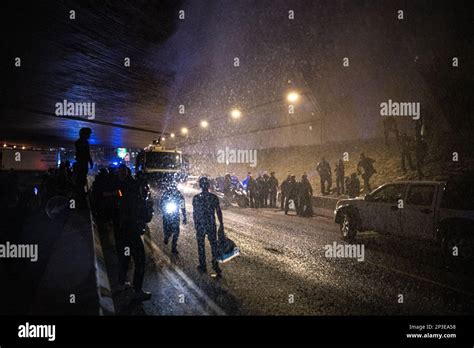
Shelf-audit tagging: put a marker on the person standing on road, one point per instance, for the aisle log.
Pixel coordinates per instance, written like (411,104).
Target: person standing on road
(272,189)
(306,197)
(128,232)
(292,194)
(266,190)
(83,160)
(284,191)
(252,191)
(227,190)
(205,208)
(260,190)
(171,202)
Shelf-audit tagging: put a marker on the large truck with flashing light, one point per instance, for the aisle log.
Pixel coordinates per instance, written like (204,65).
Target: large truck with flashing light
(160,165)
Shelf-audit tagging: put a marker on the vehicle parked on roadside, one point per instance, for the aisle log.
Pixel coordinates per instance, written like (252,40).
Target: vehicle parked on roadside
(442,211)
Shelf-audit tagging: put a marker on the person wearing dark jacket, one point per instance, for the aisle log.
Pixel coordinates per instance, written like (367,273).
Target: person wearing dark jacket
(272,189)
(260,190)
(366,169)
(205,208)
(171,203)
(292,194)
(265,190)
(83,160)
(324,170)
(284,191)
(103,199)
(305,197)
(128,232)
(252,191)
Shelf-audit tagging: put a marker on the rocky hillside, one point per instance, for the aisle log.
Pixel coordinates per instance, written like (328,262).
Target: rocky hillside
(298,160)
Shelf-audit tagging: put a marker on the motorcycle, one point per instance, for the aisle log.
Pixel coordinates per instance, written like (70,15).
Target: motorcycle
(237,196)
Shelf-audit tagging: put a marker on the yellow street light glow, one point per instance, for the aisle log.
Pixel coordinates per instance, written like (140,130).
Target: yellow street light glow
(292,97)
(23,147)
(184,131)
(172,135)
(163,139)
(204,124)
(235,113)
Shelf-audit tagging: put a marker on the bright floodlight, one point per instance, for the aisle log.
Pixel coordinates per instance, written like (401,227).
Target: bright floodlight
(204,124)
(171,208)
(163,138)
(235,113)
(292,97)
(172,135)
(184,131)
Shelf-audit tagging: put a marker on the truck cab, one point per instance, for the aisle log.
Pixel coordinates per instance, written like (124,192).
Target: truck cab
(160,165)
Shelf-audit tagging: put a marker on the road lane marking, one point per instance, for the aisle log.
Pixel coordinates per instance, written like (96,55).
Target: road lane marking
(214,306)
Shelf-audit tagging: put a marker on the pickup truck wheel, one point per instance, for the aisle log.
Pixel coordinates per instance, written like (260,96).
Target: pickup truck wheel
(347,226)
(461,241)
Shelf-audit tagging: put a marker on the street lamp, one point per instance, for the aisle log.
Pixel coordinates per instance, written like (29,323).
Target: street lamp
(292,97)
(172,135)
(204,124)
(184,131)
(163,138)
(236,113)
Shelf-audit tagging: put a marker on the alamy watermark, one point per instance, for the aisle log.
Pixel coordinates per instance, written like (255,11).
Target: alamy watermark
(19,251)
(82,109)
(28,330)
(233,156)
(393,108)
(354,251)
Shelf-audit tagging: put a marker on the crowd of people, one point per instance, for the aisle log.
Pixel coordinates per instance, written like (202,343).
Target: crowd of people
(264,191)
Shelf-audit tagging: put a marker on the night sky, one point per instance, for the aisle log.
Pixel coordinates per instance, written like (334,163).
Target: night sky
(190,62)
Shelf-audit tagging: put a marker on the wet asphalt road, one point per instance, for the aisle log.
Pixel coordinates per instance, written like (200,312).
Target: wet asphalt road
(283,270)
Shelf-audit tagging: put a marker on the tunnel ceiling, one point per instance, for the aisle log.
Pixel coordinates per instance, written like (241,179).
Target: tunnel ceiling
(84,60)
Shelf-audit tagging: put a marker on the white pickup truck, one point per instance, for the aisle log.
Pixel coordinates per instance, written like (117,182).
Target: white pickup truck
(442,211)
